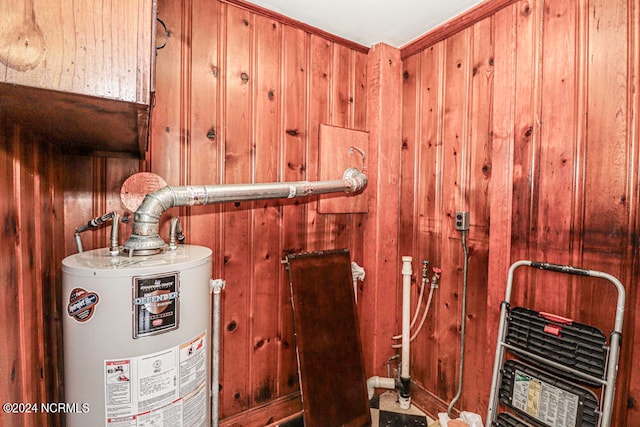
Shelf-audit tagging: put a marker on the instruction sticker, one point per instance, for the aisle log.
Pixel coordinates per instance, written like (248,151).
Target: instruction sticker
(82,304)
(163,388)
(156,303)
(544,402)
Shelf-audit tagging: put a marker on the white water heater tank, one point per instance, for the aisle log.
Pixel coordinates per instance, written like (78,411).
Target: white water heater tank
(137,338)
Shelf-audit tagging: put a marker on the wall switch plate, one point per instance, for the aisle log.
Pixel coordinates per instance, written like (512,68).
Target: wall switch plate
(462,221)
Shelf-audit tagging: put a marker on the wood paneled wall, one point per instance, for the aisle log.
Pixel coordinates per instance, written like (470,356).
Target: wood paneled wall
(31,207)
(240,98)
(528,120)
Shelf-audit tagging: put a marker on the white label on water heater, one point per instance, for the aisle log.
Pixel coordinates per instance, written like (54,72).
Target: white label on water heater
(165,388)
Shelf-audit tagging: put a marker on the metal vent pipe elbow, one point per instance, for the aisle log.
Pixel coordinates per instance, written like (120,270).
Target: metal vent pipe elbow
(145,237)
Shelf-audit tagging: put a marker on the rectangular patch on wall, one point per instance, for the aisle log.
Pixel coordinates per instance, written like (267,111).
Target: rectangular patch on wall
(341,148)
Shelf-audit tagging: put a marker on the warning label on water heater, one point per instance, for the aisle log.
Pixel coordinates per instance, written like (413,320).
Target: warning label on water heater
(165,388)
(156,303)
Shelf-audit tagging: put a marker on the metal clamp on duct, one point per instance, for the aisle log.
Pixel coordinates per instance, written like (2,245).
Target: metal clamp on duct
(145,239)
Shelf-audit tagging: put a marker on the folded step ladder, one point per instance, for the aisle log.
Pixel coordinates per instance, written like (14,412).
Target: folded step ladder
(555,363)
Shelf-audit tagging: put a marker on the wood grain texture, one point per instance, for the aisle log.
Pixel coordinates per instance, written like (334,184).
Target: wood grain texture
(92,62)
(99,49)
(528,118)
(384,82)
(240,99)
(326,317)
(338,149)
(31,326)
(290,22)
(78,124)
(546,114)
(476,14)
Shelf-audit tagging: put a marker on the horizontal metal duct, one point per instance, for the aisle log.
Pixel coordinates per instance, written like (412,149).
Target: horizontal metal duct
(145,238)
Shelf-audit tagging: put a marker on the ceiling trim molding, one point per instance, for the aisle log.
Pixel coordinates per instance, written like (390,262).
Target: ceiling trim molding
(455,25)
(283,19)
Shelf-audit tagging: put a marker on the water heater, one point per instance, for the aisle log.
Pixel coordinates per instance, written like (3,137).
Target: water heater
(137,338)
(137,342)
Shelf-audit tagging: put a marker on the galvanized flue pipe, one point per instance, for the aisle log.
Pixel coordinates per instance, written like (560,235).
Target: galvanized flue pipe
(145,238)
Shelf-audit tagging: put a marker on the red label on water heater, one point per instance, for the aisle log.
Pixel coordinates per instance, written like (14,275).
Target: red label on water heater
(82,304)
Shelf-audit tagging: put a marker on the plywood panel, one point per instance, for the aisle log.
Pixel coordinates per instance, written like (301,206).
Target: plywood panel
(325,316)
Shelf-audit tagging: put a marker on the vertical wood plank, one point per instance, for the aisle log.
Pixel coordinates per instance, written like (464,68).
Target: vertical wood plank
(384,83)
(164,148)
(294,140)
(408,204)
(527,137)
(606,211)
(28,265)
(357,245)
(606,227)
(429,198)
(321,76)
(206,134)
(557,163)
(502,172)
(480,71)
(266,214)
(10,268)
(30,331)
(236,223)
(340,115)
(454,187)
(631,382)
(412,111)
(50,235)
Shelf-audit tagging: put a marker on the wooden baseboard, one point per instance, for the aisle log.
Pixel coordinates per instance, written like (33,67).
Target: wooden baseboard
(290,407)
(429,403)
(271,414)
